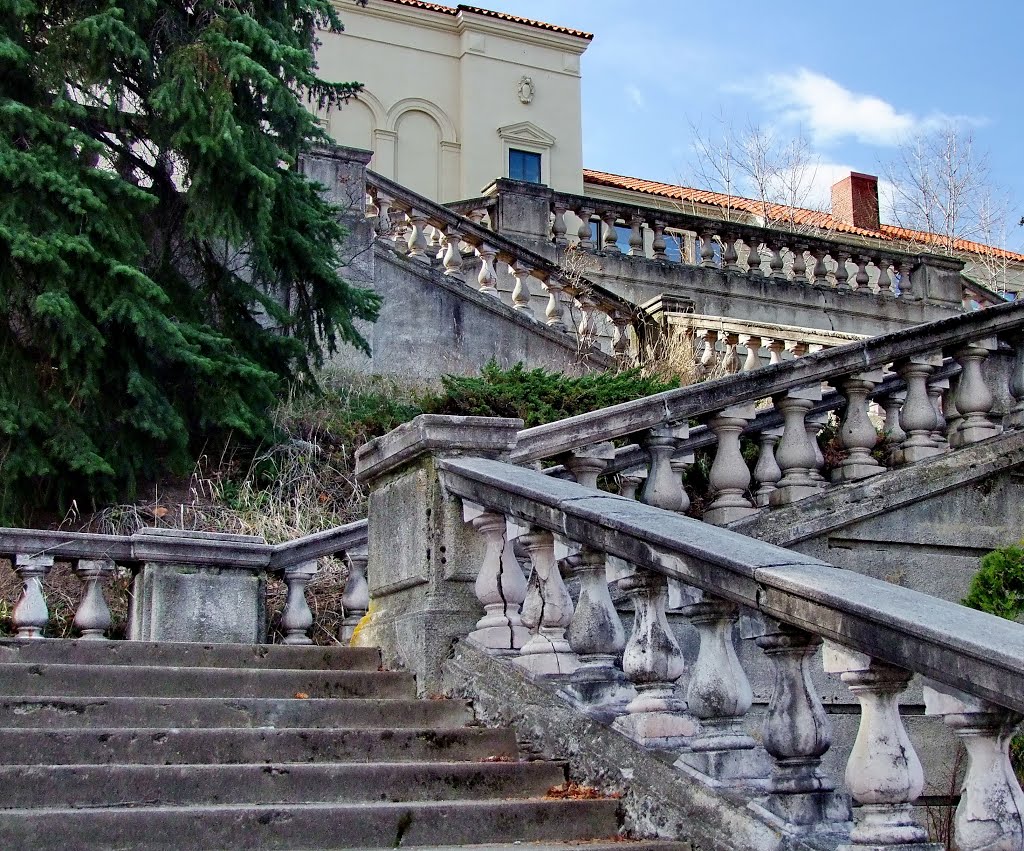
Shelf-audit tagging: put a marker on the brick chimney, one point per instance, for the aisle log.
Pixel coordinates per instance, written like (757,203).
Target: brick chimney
(855,200)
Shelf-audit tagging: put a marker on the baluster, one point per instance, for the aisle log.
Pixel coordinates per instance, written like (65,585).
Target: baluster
(596,636)
(1014,418)
(558,228)
(554,310)
(584,233)
(775,348)
(659,241)
(752,344)
(93,616)
(730,358)
(437,244)
(719,696)
(663,488)
(30,615)
(707,249)
(706,364)
(729,476)
(547,611)
(796,732)
(487,278)
(587,463)
(610,243)
(767,472)
(883,774)
(679,463)
(935,391)
(776,263)
(990,814)
(652,661)
(500,585)
(416,239)
(917,417)
(587,329)
(795,455)
(729,255)
(796,348)
(297,618)
(403,229)
(636,237)
(820,270)
(861,278)
(452,257)
(857,434)
(842,273)
(356,600)
(754,258)
(630,481)
(815,423)
(521,291)
(906,286)
(799,265)
(383,224)
(973,398)
(885,283)
(953,419)
(892,404)
(620,336)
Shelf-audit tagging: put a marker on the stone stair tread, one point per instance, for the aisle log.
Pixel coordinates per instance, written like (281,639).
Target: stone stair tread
(148,745)
(185,654)
(91,786)
(111,711)
(321,825)
(70,680)
(588,844)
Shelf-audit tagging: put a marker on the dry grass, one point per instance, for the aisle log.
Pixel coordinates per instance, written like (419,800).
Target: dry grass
(301,485)
(676,354)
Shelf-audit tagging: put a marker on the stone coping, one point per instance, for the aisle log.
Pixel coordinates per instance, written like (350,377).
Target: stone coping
(438,434)
(969,650)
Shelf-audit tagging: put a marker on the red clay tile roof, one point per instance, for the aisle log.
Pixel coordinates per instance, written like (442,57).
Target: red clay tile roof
(476,10)
(810,218)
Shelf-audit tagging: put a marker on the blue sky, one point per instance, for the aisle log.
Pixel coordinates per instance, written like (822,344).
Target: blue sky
(852,77)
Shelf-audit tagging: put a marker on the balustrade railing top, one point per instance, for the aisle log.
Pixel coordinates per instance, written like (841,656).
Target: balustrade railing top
(966,649)
(678,406)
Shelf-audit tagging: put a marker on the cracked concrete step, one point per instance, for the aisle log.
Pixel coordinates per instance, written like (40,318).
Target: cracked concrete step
(180,785)
(184,655)
(321,826)
(46,746)
(75,712)
(152,681)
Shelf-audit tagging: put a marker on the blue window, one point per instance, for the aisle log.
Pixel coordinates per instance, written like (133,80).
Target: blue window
(524,165)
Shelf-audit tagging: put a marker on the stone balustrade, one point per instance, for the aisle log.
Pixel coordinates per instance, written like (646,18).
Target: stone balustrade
(899,386)
(784,256)
(186,585)
(876,636)
(462,247)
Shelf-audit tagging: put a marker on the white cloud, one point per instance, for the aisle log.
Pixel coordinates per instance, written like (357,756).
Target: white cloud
(831,112)
(636,96)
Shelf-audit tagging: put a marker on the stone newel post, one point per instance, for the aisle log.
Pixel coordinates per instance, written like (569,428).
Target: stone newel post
(424,559)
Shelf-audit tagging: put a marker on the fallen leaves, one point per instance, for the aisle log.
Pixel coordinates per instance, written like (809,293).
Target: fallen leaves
(301,695)
(578,792)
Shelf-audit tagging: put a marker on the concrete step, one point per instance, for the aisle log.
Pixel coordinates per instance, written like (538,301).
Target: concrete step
(152,681)
(101,746)
(276,783)
(191,712)
(321,826)
(621,844)
(183,655)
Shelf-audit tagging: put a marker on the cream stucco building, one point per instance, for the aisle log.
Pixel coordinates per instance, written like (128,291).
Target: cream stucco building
(455,97)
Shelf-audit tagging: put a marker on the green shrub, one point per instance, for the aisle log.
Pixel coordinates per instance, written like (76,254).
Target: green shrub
(535,395)
(998,587)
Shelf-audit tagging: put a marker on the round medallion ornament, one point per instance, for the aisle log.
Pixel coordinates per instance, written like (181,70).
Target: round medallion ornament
(525,89)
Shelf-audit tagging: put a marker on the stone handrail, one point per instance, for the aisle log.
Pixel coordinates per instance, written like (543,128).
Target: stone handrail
(877,636)
(404,219)
(94,557)
(679,406)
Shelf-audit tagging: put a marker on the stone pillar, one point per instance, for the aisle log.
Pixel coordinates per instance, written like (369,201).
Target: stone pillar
(938,279)
(523,214)
(423,559)
(202,602)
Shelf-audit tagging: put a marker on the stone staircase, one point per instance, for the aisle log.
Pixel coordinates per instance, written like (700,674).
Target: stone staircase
(123,745)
